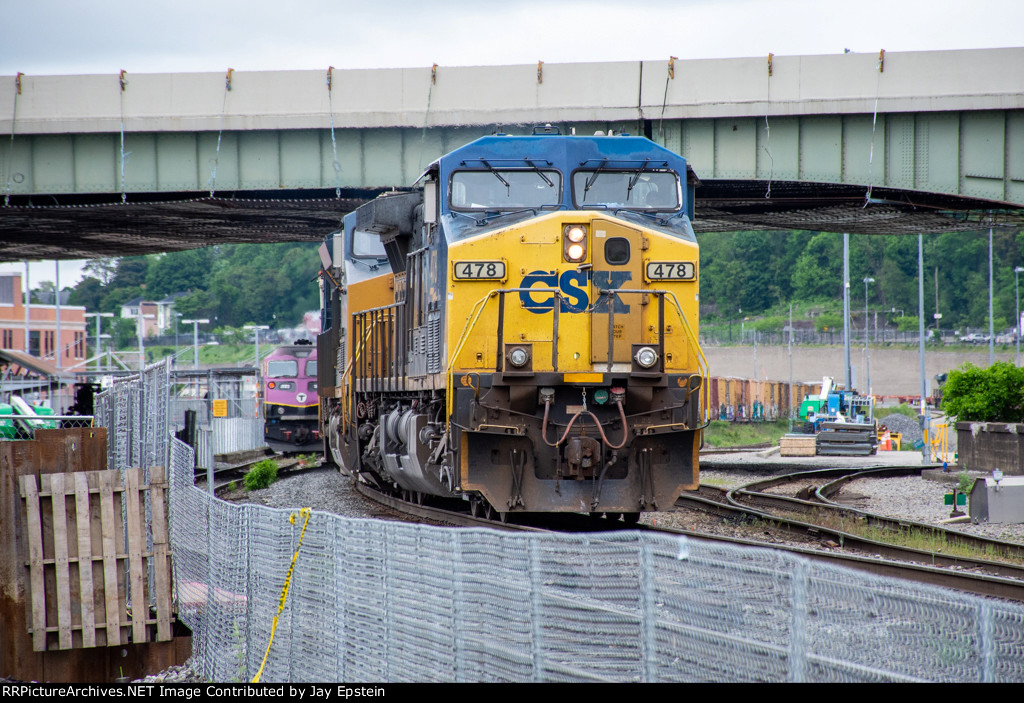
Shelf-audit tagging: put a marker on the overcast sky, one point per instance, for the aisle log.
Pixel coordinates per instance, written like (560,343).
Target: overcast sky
(68,37)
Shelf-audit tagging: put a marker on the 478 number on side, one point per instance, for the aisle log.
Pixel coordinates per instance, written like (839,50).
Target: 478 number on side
(671,270)
(479,270)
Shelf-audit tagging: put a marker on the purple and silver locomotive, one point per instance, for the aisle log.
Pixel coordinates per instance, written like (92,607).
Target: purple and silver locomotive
(290,401)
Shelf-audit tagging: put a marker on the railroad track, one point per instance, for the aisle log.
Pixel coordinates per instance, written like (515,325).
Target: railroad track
(814,523)
(819,542)
(226,475)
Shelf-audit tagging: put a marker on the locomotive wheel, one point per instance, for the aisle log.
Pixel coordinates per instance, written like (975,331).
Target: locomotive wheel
(488,511)
(631,518)
(474,507)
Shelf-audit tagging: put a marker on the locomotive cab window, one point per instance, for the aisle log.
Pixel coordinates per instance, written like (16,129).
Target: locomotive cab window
(505,189)
(367,245)
(311,368)
(637,189)
(282,369)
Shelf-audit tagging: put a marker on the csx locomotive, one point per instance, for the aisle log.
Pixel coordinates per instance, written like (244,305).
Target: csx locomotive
(520,329)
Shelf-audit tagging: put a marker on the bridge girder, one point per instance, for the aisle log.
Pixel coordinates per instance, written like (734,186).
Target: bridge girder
(929,141)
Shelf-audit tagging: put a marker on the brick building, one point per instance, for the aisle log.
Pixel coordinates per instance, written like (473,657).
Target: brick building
(43,341)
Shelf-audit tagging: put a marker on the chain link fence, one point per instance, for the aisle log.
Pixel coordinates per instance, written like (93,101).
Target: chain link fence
(378,601)
(225,407)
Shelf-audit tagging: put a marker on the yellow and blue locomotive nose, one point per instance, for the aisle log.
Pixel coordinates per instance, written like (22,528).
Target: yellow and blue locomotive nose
(575,295)
(576,360)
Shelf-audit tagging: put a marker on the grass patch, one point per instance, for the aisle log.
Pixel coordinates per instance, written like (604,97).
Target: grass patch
(262,474)
(722,433)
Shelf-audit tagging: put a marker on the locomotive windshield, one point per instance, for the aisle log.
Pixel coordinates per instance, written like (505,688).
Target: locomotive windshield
(311,368)
(637,189)
(282,369)
(505,189)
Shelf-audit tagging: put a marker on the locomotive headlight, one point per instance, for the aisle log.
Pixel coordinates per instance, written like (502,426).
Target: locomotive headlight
(518,357)
(646,357)
(574,246)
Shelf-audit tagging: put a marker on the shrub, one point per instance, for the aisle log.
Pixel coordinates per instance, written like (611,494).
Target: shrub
(995,394)
(262,474)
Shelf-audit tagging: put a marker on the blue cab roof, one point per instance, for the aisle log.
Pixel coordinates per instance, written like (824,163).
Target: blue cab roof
(563,152)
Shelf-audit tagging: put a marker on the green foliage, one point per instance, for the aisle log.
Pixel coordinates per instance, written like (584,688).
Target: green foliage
(762,271)
(995,394)
(907,323)
(901,409)
(125,332)
(178,272)
(964,482)
(721,433)
(770,324)
(818,270)
(262,474)
(828,321)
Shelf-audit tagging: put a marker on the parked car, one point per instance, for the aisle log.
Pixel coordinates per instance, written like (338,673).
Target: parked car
(975,338)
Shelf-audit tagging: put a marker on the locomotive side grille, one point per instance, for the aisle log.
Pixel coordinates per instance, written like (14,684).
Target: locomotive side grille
(340,363)
(434,342)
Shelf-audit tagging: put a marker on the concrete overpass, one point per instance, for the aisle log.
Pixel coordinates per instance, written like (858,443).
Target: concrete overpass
(106,165)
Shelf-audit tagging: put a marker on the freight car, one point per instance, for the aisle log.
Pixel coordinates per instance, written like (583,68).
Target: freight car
(290,401)
(519,330)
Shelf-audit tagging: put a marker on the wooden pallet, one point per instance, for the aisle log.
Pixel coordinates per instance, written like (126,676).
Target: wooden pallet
(88,559)
(797,445)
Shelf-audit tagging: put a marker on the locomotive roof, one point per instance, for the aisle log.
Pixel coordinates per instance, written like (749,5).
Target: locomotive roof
(288,350)
(567,152)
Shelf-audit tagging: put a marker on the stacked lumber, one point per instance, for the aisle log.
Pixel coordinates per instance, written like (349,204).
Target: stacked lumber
(797,445)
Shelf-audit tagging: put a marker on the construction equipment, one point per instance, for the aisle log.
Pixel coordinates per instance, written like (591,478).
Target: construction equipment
(841,420)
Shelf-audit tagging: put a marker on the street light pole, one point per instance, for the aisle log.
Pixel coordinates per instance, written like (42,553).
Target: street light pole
(1016,323)
(867,357)
(98,315)
(991,309)
(142,333)
(257,328)
(846,310)
(195,340)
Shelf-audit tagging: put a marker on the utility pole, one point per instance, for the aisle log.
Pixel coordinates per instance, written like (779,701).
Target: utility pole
(846,310)
(991,309)
(195,340)
(791,367)
(920,339)
(1016,323)
(867,355)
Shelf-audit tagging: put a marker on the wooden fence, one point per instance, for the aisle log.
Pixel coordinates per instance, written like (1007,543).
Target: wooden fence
(80,555)
(75,590)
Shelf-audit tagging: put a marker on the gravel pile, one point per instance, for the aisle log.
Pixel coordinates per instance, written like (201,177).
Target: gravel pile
(906,426)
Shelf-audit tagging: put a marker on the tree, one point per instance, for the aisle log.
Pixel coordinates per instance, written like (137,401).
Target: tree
(995,394)
(102,270)
(178,272)
(131,272)
(89,293)
(817,273)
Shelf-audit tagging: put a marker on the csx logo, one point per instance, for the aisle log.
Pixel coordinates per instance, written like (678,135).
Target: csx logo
(573,286)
